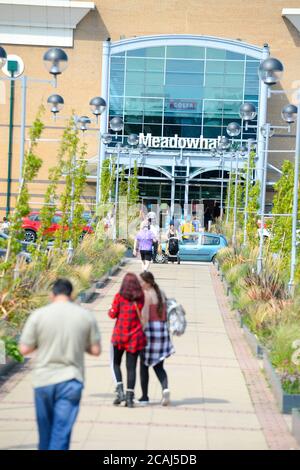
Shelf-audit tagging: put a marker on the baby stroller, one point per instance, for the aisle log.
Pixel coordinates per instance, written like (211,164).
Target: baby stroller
(173,250)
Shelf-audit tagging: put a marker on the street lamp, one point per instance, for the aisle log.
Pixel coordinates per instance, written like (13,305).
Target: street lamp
(98,106)
(270,71)
(242,150)
(83,122)
(116,124)
(289,113)
(233,129)
(56,61)
(3,57)
(56,103)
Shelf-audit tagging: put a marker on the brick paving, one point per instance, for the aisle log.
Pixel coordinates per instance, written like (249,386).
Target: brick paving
(220,399)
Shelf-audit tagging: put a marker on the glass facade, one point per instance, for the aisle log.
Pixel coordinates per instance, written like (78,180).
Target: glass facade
(184,90)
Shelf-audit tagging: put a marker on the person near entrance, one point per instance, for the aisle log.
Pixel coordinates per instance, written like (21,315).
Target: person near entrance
(207,218)
(196,222)
(143,242)
(60,333)
(154,227)
(186,228)
(216,211)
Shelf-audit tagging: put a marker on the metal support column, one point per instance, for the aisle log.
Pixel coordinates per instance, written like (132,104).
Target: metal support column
(295,201)
(104,116)
(186,187)
(247,194)
(23,125)
(173,190)
(261,121)
(263,202)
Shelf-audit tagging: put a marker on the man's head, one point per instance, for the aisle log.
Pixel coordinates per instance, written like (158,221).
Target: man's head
(62,288)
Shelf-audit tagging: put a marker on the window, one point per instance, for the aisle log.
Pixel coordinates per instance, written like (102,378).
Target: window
(187,90)
(34,217)
(208,240)
(56,219)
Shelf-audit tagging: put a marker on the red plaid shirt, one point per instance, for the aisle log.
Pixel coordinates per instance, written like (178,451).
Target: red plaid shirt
(128,332)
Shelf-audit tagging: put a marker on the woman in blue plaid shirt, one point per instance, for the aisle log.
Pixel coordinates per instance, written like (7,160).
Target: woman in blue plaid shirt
(159,345)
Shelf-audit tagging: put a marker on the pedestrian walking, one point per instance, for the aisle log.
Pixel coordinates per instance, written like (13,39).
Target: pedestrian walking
(143,242)
(154,227)
(128,335)
(60,333)
(159,345)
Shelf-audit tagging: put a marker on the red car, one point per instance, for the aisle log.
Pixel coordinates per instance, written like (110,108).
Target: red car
(31,224)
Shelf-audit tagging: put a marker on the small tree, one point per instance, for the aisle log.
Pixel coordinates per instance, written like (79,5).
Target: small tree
(31,166)
(71,141)
(281,241)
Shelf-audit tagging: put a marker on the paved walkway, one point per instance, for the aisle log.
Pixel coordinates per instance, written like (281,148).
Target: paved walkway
(211,403)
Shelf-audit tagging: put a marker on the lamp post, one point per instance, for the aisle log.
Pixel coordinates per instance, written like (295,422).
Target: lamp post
(132,140)
(98,107)
(56,61)
(270,72)
(241,152)
(116,125)
(233,130)
(247,193)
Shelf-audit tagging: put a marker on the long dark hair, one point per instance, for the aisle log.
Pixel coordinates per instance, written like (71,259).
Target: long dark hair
(149,278)
(131,288)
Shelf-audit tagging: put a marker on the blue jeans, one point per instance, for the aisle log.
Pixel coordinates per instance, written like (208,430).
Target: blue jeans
(57,407)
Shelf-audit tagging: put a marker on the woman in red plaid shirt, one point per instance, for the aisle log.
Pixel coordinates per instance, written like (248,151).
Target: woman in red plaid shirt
(128,308)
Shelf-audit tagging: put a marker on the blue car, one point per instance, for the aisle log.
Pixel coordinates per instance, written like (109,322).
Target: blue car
(194,246)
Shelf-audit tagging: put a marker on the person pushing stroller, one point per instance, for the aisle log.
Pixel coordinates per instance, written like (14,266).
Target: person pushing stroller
(172,248)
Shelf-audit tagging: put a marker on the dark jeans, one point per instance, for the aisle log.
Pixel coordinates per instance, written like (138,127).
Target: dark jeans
(57,407)
(155,248)
(144,375)
(131,360)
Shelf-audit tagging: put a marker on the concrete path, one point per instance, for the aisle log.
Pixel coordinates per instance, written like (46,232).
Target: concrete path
(211,405)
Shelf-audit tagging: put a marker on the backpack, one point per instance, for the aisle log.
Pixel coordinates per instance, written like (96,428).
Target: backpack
(176,318)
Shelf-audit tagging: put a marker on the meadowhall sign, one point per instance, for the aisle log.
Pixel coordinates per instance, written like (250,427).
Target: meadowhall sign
(176,142)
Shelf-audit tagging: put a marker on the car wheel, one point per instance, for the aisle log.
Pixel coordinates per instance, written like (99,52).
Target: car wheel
(30,236)
(161,258)
(213,260)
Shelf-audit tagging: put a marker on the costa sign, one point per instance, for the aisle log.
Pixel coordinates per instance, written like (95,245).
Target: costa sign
(176,142)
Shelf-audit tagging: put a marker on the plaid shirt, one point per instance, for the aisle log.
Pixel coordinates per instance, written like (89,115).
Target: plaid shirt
(128,332)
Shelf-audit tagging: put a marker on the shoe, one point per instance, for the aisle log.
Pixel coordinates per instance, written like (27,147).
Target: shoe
(129,399)
(119,394)
(165,397)
(144,401)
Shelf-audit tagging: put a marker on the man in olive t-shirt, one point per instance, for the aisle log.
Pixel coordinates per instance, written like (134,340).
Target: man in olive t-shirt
(61,333)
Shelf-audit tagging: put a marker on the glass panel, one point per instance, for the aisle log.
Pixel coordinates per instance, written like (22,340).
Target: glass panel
(217,67)
(212,80)
(207,240)
(186,52)
(234,56)
(116,104)
(235,67)
(234,80)
(213,108)
(215,53)
(187,66)
(184,79)
(212,132)
(183,92)
(153,129)
(145,64)
(132,128)
(147,52)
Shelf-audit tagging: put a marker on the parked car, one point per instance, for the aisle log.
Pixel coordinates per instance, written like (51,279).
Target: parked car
(23,247)
(32,223)
(200,246)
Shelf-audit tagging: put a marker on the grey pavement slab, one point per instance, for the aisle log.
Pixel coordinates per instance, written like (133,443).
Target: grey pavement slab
(210,404)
